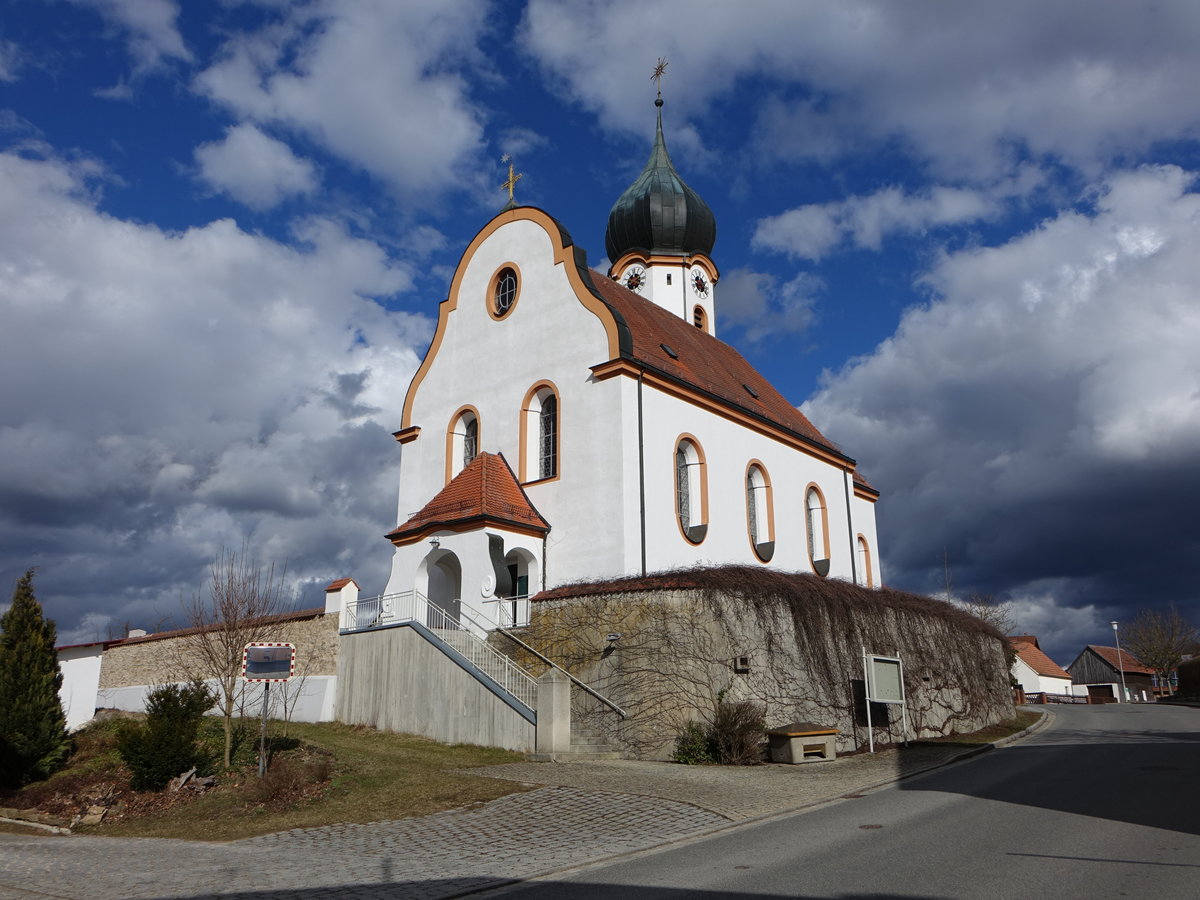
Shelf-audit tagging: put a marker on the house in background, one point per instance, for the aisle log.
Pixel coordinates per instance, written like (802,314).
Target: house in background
(1036,672)
(1101,671)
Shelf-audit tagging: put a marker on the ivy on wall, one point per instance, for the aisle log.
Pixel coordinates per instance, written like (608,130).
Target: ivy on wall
(793,642)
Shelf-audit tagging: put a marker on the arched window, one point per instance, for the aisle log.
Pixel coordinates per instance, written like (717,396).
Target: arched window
(691,489)
(462,440)
(700,318)
(816,520)
(865,575)
(540,433)
(760,511)
(548,438)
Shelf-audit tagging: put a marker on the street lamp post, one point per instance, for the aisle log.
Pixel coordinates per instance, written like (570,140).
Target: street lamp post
(1120,661)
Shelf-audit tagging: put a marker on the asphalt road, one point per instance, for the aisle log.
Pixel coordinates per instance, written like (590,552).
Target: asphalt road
(1104,803)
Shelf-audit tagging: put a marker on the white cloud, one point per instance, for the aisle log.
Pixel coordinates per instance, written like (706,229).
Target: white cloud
(812,231)
(10,60)
(171,393)
(760,306)
(254,168)
(1039,419)
(968,86)
(376,83)
(152,33)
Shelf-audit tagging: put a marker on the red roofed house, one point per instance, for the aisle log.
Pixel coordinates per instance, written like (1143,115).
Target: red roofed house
(1102,668)
(1036,672)
(568,425)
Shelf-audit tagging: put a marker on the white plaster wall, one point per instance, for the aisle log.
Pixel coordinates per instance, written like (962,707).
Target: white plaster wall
(1033,683)
(80,667)
(318,694)
(491,365)
(728,448)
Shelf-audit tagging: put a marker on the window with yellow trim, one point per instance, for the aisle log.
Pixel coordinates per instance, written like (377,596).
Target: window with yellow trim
(691,490)
(759,508)
(817,525)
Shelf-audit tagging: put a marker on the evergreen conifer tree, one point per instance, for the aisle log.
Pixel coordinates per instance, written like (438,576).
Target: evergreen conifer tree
(33,734)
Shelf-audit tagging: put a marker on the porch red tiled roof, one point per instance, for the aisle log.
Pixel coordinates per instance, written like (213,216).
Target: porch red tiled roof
(339,584)
(486,490)
(1031,654)
(702,361)
(1125,662)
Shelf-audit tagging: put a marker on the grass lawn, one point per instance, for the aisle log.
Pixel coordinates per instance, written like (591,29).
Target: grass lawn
(320,774)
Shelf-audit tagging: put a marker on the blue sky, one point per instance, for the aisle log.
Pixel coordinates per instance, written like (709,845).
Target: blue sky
(959,235)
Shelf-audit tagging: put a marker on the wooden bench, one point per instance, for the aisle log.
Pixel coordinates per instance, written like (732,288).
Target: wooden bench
(802,742)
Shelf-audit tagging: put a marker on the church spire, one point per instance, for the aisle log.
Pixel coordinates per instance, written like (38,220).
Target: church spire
(659,213)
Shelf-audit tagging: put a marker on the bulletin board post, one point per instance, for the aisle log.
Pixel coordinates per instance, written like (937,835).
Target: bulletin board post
(883,679)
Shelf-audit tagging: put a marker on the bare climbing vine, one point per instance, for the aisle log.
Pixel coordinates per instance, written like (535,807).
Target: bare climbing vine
(793,642)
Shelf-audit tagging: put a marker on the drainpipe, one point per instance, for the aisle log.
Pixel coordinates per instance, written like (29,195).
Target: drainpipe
(641,471)
(847,479)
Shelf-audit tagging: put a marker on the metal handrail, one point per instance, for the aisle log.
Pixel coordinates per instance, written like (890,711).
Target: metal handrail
(414,606)
(548,661)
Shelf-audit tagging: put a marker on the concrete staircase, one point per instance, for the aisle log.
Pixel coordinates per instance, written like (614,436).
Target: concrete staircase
(500,668)
(588,746)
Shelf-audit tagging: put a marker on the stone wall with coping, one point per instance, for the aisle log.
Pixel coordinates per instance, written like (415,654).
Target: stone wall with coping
(679,650)
(162,658)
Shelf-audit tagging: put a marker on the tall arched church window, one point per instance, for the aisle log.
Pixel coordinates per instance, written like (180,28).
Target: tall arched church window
(760,511)
(816,520)
(691,489)
(548,437)
(462,440)
(865,575)
(541,423)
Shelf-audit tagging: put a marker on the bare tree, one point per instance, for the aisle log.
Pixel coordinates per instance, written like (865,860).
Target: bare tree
(995,613)
(1160,640)
(244,599)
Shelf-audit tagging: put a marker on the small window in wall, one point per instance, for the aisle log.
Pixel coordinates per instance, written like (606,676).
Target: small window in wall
(865,576)
(816,520)
(668,278)
(691,489)
(700,318)
(462,440)
(540,437)
(503,291)
(760,512)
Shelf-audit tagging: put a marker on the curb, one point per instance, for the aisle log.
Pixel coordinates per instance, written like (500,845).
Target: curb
(1046,719)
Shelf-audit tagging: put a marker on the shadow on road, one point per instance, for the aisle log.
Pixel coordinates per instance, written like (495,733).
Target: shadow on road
(1124,774)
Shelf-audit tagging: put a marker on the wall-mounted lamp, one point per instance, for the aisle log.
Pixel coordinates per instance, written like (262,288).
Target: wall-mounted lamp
(613,636)
(434,543)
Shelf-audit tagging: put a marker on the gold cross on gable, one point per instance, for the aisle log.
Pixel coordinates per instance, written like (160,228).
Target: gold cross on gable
(659,68)
(511,183)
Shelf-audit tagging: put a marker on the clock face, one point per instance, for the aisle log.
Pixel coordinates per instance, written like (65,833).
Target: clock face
(699,283)
(635,278)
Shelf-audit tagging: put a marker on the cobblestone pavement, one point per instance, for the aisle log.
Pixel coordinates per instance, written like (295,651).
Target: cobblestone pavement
(586,812)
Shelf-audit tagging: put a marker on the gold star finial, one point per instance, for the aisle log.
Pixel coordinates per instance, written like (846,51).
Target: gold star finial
(659,68)
(513,178)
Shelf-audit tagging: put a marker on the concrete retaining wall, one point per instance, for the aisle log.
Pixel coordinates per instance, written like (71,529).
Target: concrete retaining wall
(397,680)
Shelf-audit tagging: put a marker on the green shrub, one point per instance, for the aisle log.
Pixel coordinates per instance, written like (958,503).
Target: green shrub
(733,738)
(737,732)
(695,745)
(165,745)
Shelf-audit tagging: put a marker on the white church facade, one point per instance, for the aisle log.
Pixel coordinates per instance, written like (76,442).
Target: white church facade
(566,425)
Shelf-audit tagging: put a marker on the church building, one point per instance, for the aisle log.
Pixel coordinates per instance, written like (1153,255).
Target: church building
(567,425)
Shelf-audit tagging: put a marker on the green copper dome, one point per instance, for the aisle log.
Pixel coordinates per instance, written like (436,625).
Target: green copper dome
(658,213)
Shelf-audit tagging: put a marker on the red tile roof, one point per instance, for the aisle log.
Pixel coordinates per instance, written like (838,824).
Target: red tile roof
(1031,654)
(1125,662)
(703,362)
(485,491)
(339,584)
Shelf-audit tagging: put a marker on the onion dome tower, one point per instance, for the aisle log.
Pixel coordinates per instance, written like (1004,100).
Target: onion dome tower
(660,236)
